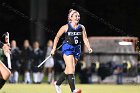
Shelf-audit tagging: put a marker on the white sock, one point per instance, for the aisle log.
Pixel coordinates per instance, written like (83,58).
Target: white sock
(27,77)
(41,76)
(16,76)
(35,77)
(138,77)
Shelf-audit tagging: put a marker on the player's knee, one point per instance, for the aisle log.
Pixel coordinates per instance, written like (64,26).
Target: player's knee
(70,70)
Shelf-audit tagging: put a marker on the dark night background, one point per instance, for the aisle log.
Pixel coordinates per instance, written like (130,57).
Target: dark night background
(123,14)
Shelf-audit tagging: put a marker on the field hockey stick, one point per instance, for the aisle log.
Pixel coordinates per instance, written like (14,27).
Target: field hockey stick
(47,58)
(8,54)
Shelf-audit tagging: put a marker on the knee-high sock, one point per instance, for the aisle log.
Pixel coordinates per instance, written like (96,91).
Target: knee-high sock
(38,77)
(27,78)
(71,80)
(61,79)
(16,76)
(2,82)
(41,76)
(35,77)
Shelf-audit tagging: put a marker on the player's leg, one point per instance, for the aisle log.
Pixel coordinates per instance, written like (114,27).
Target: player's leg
(35,76)
(77,53)
(57,84)
(44,71)
(16,76)
(63,75)
(50,70)
(4,74)
(50,75)
(70,70)
(76,90)
(68,58)
(70,62)
(27,77)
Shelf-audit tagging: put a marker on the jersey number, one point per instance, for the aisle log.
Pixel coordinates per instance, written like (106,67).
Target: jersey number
(76,40)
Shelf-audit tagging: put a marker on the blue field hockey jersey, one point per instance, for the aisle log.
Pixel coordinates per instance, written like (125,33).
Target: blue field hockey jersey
(73,36)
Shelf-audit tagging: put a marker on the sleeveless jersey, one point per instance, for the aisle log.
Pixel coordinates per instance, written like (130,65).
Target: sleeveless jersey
(73,36)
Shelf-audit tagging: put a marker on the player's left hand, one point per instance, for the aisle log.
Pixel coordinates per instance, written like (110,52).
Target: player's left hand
(90,50)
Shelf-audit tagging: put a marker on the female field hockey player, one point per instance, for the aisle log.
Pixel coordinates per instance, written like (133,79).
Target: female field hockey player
(4,71)
(71,48)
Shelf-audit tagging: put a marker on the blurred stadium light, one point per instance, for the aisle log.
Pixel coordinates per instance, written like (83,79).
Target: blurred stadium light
(125,43)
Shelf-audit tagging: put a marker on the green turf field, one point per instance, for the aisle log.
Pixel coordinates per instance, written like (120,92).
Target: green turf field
(92,88)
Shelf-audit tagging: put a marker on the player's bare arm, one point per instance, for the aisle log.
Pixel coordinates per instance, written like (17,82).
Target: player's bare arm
(85,39)
(58,35)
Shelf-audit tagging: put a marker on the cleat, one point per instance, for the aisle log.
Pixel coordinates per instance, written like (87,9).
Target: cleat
(57,88)
(77,91)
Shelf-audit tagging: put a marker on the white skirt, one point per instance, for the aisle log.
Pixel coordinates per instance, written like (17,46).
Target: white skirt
(49,63)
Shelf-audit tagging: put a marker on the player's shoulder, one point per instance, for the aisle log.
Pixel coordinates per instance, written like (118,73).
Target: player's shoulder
(83,27)
(64,26)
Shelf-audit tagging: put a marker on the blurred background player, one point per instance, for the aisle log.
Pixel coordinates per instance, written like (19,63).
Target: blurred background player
(37,56)
(26,61)
(15,61)
(4,71)
(49,64)
(71,48)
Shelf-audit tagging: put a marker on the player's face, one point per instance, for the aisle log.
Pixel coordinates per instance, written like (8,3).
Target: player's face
(75,17)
